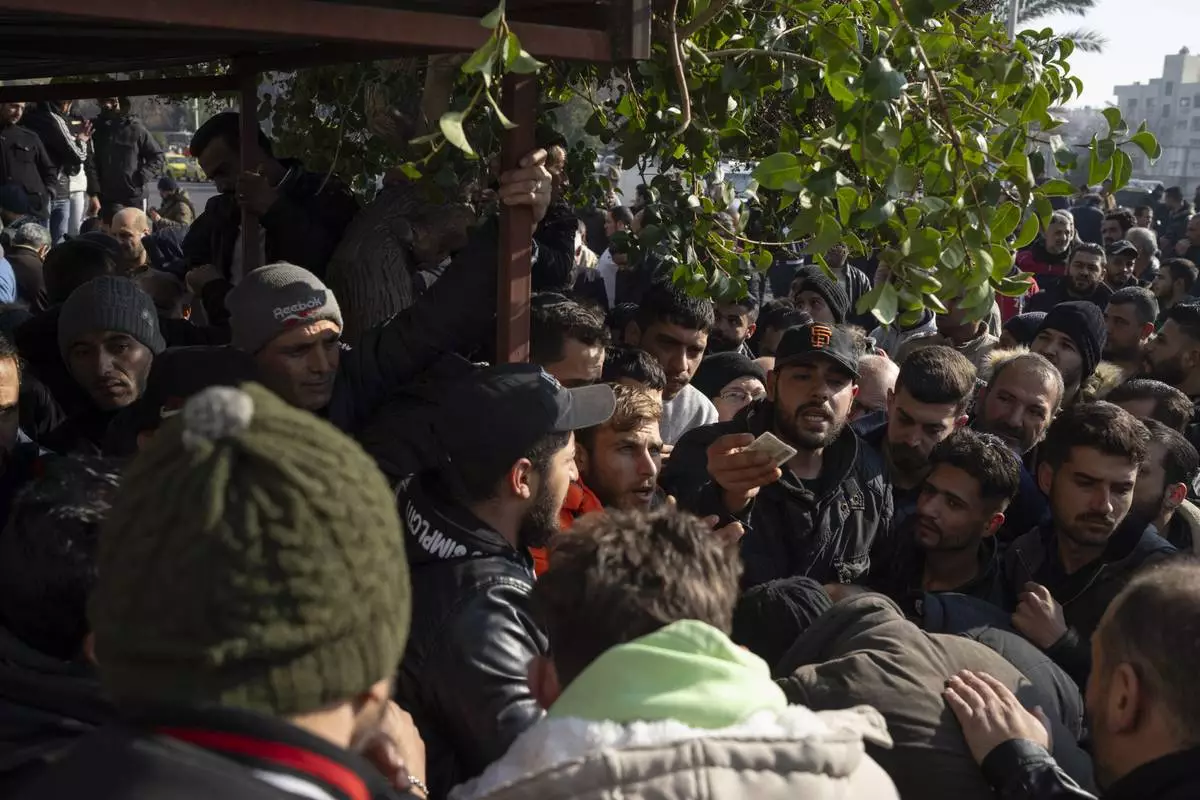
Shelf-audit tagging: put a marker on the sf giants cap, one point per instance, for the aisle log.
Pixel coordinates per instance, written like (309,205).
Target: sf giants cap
(494,417)
(807,343)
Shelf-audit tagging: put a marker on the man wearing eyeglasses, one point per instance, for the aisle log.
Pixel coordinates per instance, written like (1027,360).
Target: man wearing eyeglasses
(732,381)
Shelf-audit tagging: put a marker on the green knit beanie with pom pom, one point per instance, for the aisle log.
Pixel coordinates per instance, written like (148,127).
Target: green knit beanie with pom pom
(253,558)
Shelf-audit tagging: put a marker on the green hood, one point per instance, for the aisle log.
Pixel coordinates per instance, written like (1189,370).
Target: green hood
(687,671)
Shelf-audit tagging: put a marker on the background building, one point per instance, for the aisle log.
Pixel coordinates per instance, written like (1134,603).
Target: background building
(1170,105)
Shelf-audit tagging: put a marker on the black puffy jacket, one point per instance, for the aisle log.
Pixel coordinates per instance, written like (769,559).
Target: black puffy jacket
(463,677)
(791,530)
(127,158)
(25,163)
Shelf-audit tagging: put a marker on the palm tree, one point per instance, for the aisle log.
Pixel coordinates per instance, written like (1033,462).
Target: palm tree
(1086,40)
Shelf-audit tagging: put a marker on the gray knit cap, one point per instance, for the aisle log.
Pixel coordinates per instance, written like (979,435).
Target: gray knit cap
(109,303)
(276,298)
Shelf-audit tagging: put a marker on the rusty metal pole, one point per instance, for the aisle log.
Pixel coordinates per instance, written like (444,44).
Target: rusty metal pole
(516,225)
(248,143)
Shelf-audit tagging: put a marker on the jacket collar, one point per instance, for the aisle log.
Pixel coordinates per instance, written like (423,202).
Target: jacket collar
(276,751)
(1157,778)
(437,529)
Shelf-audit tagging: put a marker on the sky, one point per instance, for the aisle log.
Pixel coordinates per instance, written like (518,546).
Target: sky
(1139,32)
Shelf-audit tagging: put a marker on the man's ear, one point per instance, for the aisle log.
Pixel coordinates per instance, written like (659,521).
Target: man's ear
(543,681)
(1175,495)
(89,649)
(961,422)
(1127,700)
(1147,331)
(751,329)
(1045,477)
(890,401)
(772,384)
(994,525)
(520,479)
(633,333)
(581,461)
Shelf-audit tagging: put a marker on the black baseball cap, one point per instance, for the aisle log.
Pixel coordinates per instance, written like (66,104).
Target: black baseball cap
(1122,247)
(804,344)
(495,416)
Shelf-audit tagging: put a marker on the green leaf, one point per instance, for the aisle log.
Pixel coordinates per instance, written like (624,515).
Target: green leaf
(1039,102)
(500,117)
(1122,170)
(483,59)
(847,199)
(1015,286)
(953,254)
(839,85)
(1002,261)
(451,124)
(517,60)
(1098,168)
(887,306)
(1029,232)
(1005,221)
(1115,123)
(1148,144)
(829,233)
(493,17)
(1057,188)
(883,82)
(777,169)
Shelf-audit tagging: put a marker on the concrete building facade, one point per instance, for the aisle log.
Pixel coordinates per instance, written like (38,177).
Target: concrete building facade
(1170,105)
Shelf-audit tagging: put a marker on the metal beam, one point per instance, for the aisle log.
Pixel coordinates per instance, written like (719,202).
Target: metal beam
(248,144)
(515,282)
(312,19)
(198,84)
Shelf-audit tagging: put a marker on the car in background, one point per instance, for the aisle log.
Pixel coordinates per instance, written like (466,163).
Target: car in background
(183,168)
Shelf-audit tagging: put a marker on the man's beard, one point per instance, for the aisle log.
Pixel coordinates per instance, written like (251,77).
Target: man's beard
(1170,372)
(1112,353)
(790,432)
(1083,289)
(541,523)
(906,459)
(1082,533)
(718,342)
(1011,436)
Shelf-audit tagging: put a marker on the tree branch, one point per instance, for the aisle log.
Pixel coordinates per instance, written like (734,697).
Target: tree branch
(680,74)
(782,55)
(703,18)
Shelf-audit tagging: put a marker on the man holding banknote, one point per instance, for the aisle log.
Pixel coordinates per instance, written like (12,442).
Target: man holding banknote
(811,496)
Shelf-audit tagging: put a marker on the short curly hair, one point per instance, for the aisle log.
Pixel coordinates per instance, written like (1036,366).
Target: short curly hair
(622,575)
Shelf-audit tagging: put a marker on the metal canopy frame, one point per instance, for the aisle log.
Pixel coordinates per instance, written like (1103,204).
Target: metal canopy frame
(54,38)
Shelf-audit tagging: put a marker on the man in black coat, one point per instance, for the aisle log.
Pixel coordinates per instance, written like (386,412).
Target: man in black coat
(128,159)
(821,514)
(301,215)
(68,151)
(24,160)
(1144,710)
(49,693)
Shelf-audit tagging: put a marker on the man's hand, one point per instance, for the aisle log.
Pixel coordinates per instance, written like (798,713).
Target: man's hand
(1039,617)
(154,215)
(740,474)
(529,185)
(254,192)
(199,277)
(93,208)
(990,714)
(396,749)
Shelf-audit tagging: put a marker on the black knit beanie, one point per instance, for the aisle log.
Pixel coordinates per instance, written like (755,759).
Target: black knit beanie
(1024,327)
(717,370)
(813,279)
(1083,321)
(253,558)
(770,617)
(109,303)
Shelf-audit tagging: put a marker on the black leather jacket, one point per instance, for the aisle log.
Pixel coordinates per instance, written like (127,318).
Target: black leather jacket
(824,532)
(463,677)
(1021,770)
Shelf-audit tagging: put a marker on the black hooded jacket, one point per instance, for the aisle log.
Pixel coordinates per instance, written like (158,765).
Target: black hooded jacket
(1085,594)
(463,677)
(303,227)
(823,529)
(46,705)
(128,159)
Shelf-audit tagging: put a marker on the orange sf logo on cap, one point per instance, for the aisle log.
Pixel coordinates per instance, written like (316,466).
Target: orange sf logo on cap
(821,336)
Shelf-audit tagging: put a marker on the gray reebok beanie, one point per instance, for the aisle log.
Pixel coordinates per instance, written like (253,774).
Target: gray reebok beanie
(109,303)
(276,298)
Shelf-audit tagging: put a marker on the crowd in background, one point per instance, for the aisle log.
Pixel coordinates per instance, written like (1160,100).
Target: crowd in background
(759,548)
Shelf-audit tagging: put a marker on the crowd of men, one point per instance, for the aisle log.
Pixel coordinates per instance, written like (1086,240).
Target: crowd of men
(762,548)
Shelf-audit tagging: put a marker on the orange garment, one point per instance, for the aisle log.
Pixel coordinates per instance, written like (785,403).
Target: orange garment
(580,500)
